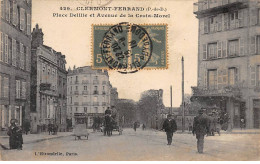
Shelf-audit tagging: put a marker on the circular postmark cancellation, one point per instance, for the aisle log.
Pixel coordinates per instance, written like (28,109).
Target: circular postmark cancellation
(99,3)
(126,47)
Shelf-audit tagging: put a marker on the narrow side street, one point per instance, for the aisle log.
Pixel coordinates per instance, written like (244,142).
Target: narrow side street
(140,145)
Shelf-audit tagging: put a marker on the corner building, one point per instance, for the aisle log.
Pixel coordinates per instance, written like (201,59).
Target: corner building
(88,92)
(15,61)
(48,85)
(229,59)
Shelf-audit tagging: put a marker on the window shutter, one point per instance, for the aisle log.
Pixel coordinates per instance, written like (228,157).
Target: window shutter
(6,87)
(253,45)
(240,18)
(206,79)
(28,59)
(14,52)
(2,46)
(219,73)
(241,46)
(219,21)
(7,10)
(245,18)
(21,56)
(14,20)
(226,21)
(219,49)
(28,24)
(225,76)
(204,51)
(237,75)
(224,49)
(23,92)
(22,19)
(18,85)
(201,26)
(6,49)
(253,75)
(253,17)
(206,25)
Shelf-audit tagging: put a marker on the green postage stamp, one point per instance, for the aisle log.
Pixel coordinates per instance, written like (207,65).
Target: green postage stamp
(129,47)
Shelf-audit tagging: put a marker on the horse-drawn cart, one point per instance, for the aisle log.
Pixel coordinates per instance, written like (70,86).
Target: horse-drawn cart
(80,127)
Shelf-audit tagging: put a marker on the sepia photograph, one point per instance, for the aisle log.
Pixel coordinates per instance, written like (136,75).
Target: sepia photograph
(130,80)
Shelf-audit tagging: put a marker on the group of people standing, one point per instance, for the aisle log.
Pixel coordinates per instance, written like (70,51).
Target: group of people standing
(203,124)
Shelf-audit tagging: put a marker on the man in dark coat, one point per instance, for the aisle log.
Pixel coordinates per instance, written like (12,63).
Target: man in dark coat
(200,128)
(108,111)
(170,127)
(15,133)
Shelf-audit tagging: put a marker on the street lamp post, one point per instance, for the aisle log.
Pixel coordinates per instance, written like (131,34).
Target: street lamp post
(183,119)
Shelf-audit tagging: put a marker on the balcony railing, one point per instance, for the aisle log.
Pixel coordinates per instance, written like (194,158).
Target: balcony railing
(85,81)
(96,103)
(103,92)
(95,92)
(95,82)
(104,103)
(207,5)
(85,92)
(85,103)
(76,82)
(229,91)
(76,92)
(76,103)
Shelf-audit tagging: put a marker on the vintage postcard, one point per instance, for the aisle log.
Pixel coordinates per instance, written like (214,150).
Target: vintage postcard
(130,80)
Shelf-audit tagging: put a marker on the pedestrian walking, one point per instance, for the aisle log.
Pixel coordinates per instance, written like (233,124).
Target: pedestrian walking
(200,128)
(15,133)
(143,126)
(27,126)
(50,128)
(170,126)
(242,123)
(135,126)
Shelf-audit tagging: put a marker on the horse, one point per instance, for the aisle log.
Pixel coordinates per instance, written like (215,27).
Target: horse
(108,125)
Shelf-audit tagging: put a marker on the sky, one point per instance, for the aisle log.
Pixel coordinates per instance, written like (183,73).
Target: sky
(72,37)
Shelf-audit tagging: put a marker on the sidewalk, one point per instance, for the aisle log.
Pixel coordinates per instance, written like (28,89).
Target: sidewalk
(33,138)
(233,131)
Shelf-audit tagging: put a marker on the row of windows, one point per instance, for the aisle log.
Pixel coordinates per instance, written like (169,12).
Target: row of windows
(85,88)
(50,70)
(206,4)
(20,88)
(12,13)
(84,80)
(230,48)
(218,78)
(85,109)
(229,21)
(86,99)
(14,53)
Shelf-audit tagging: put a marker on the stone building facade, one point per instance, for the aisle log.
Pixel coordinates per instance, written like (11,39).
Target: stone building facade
(88,93)
(15,64)
(229,60)
(48,85)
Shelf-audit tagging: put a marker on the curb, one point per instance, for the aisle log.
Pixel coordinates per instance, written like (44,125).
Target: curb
(36,141)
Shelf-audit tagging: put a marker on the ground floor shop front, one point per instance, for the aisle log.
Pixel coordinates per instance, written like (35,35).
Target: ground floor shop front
(241,112)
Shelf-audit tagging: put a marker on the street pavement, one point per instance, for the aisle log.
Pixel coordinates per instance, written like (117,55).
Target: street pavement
(140,145)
